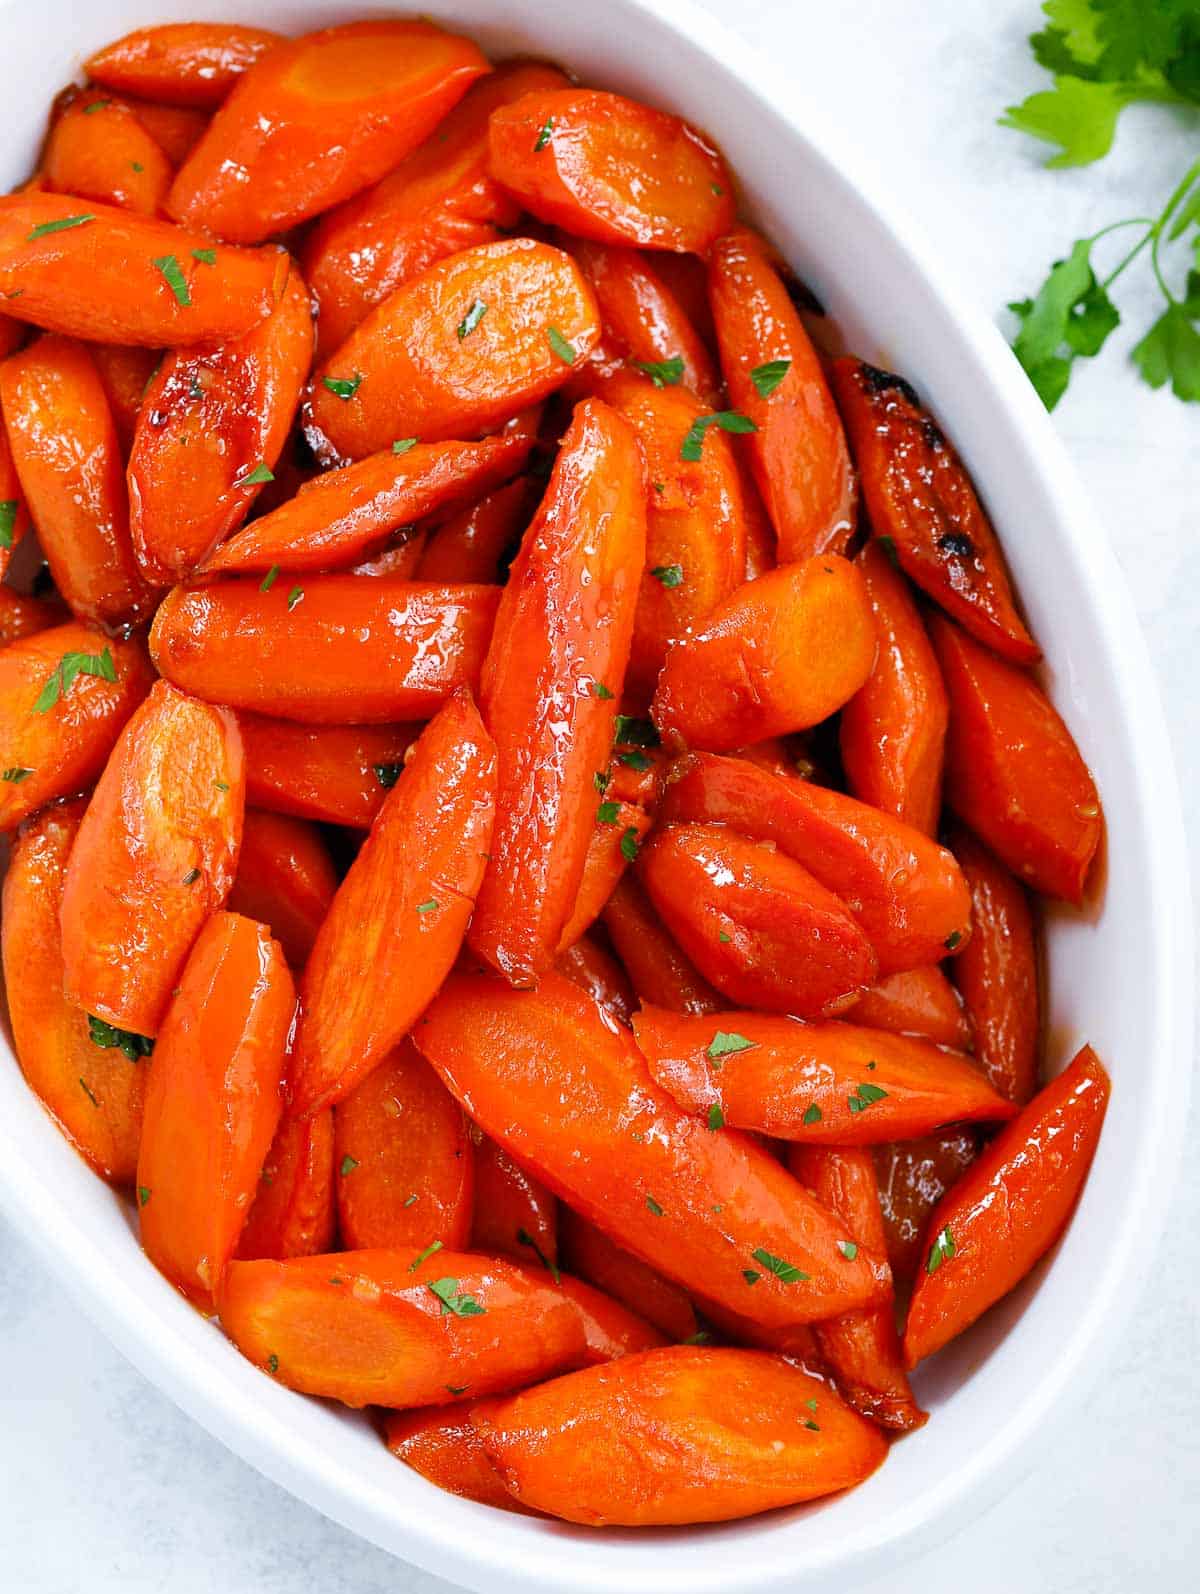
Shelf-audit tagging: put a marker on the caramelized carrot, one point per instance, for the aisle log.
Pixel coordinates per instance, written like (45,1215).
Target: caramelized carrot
(89,1078)
(293,1211)
(126,372)
(336,773)
(616,836)
(658,969)
(156,855)
(12,335)
(99,149)
(400,1328)
(443,1445)
(176,129)
(920,1002)
(21,616)
(14,513)
(624,1277)
(913,1177)
(586,964)
(514,1212)
(611,1330)
(550,687)
(473,543)
(285,878)
(183,63)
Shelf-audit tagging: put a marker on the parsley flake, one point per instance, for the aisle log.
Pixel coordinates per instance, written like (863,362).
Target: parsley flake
(348,1165)
(848,1249)
(525,1238)
(863,1097)
(727,420)
(126,1041)
(716,1118)
(669,575)
(294,597)
(403,444)
(725,1043)
(61,225)
(205,257)
(272,1363)
(561,347)
(781,1269)
(942,1249)
(600,780)
(600,690)
(608,813)
(66,672)
(812,1114)
(663,373)
(630,845)
(143,1195)
(343,387)
(423,1256)
(545,135)
(634,760)
(269,580)
(387,774)
(87,1092)
(410,1201)
(766,378)
(629,731)
(8,521)
(472,319)
(952,940)
(174,278)
(750,1276)
(96,105)
(16,773)
(427,907)
(260,473)
(446,1291)
(191,877)
(653,1206)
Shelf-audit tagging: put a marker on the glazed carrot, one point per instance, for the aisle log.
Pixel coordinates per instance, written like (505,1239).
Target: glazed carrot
(913,1177)
(183,63)
(156,855)
(611,1330)
(635,773)
(658,969)
(21,616)
(12,335)
(400,557)
(126,371)
(861,1348)
(472,544)
(405,1172)
(438,200)
(514,1212)
(566,1091)
(609,168)
(456,350)
(443,1445)
(293,1212)
(332,650)
(65,694)
(920,1002)
(893,730)
(93,271)
(176,129)
(586,964)
(285,877)
(90,1079)
(919,495)
(14,512)
(616,837)
(774,376)
(1008,1208)
(907,893)
(212,426)
(1013,771)
(213,1102)
(624,1277)
(686,278)
(399,917)
(827,1084)
(98,149)
(756,923)
(678,1435)
(336,773)
(68,457)
(400,1328)
(997,972)
(761,542)
(780,654)
(550,687)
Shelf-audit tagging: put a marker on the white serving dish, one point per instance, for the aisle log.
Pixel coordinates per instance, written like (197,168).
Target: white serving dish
(1120,976)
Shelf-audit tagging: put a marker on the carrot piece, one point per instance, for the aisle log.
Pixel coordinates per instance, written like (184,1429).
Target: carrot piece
(91,1087)
(400,558)
(12,335)
(68,457)
(862,1348)
(336,649)
(342,516)
(176,129)
(616,836)
(919,495)
(212,426)
(21,616)
(913,1177)
(586,964)
(99,149)
(293,1212)
(609,168)
(93,271)
(1013,771)
(997,972)
(824,1083)
(919,1002)
(213,1102)
(399,917)
(14,512)
(65,694)
(336,773)
(610,1329)
(550,687)
(756,923)
(893,730)
(798,452)
(126,372)
(658,969)
(443,1445)
(400,1328)
(907,893)
(285,877)
(156,855)
(183,63)
(780,654)
(686,277)
(635,774)
(1008,1208)
(455,351)
(405,1172)
(472,544)
(566,1091)
(514,1212)
(624,1277)
(761,544)
(438,200)
(678,1435)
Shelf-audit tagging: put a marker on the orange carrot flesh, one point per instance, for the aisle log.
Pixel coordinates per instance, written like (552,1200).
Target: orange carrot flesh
(660,971)
(443,1445)
(99,149)
(337,773)
(286,878)
(183,63)
(612,847)
(126,372)
(913,1176)
(293,1212)
(623,1277)
(587,964)
(21,616)
(472,544)
(919,1002)
(611,1330)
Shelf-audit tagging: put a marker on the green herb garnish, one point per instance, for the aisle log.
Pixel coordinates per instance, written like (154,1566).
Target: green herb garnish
(126,1041)
(766,378)
(727,1042)
(561,347)
(174,278)
(343,387)
(781,1269)
(726,420)
(663,373)
(669,575)
(66,672)
(61,225)
(446,1291)
(942,1249)
(472,319)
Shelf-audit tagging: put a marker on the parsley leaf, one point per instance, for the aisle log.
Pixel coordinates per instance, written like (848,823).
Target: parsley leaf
(942,1249)
(766,378)
(561,347)
(727,420)
(294,597)
(472,319)
(403,444)
(1170,352)
(347,1166)
(608,813)
(848,1249)
(260,473)
(61,225)
(16,773)
(269,580)
(173,276)
(653,1206)
(600,690)
(387,774)
(206,257)
(427,907)
(69,668)
(812,1114)
(716,1116)
(423,1256)
(663,373)
(341,386)
(525,1238)
(446,1291)
(629,731)
(630,845)
(1071,315)
(669,575)
(727,1042)
(8,520)
(545,134)
(864,1096)
(126,1041)
(781,1269)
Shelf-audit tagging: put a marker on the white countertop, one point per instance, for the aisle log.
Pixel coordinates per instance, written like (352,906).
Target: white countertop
(108,1489)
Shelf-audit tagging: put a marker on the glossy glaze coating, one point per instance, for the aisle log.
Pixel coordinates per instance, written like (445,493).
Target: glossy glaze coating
(285,878)
(623,1277)
(918,1002)
(914,1175)
(594,969)
(293,1211)
(327,772)
(658,968)
(99,149)
(510,1201)
(472,544)
(183,63)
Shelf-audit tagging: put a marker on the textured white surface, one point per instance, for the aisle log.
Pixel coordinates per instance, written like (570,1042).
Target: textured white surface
(107,1487)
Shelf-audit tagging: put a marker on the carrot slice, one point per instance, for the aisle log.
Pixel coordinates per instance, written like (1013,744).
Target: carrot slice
(913,1176)
(624,1277)
(21,616)
(332,650)
(658,969)
(443,1445)
(156,855)
(126,372)
(920,1002)
(14,513)
(336,773)
(293,1212)
(176,129)
(609,168)
(90,1079)
(613,845)
(285,877)
(550,687)
(586,964)
(1008,1208)
(183,63)
(611,1330)
(514,1212)
(473,543)
(98,149)
(400,1328)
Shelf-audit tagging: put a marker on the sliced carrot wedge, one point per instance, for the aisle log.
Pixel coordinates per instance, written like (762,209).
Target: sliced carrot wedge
(22,616)
(611,1330)
(285,877)
(126,371)
(614,844)
(624,1277)
(514,1212)
(183,63)
(336,773)
(920,1002)
(98,149)
(176,129)
(474,543)
(293,1212)
(913,1177)
(442,1444)
(658,968)
(14,512)
(587,964)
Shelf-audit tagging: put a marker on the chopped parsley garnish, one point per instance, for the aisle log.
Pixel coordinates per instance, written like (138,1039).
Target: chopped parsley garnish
(387,774)
(952,940)
(721,936)
(561,347)
(143,1195)
(87,1092)
(341,386)
(600,690)
(411,1200)
(653,1206)
(702,1336)
(96,105)
(888,544)
(600,780)
(848,1249)
(446,1291)
(716,1118)
(272,1364)
(727,420)
(137,166)
(16,773)
(427,907)
(766,378)
(423,1256)
(629,731)
(68,669)
(61,225)
(8,521)
(221,785)
(669,575)
(457,1389)
(726,1042)
(127,1041)
(812,1114)
(269,580)
(748,1273)
(525,1238)
(864,1095)
(814,1426)
(942,1249)
(608,813)
(252,478)
(174,278)
(191,877)
(294,597)
(403,444)
(206,257)
(717,190)
(663,373)
(472,319)
(544,135)
(634,760)
(781,1269)
(348,1165)
(630,845)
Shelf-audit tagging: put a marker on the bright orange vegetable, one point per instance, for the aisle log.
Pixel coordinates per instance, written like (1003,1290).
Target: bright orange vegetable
(293,1212)
(388,649)
(919,1002)
(550,687)
(213,1102)
(99,149)
(1008,1208)
(14,514)
(183,63)
(405,1172)
(399,1328)
(21,616)
(624,1277)
(919,495)
(336,773)
(682,1434)
(893,730)
(913,1177)
(212,425)
(156,855)
(611,1330)
(782,653)
(176,129)
(545,1074)
(586,964)
(442,1444)
(126,371)
(458,349)
(472,544)
(93,1091)
(657,967)
(617,834)
(612,169)
(514,1212)
(1013,771)
(798,451)
(399,917)
(285,877)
